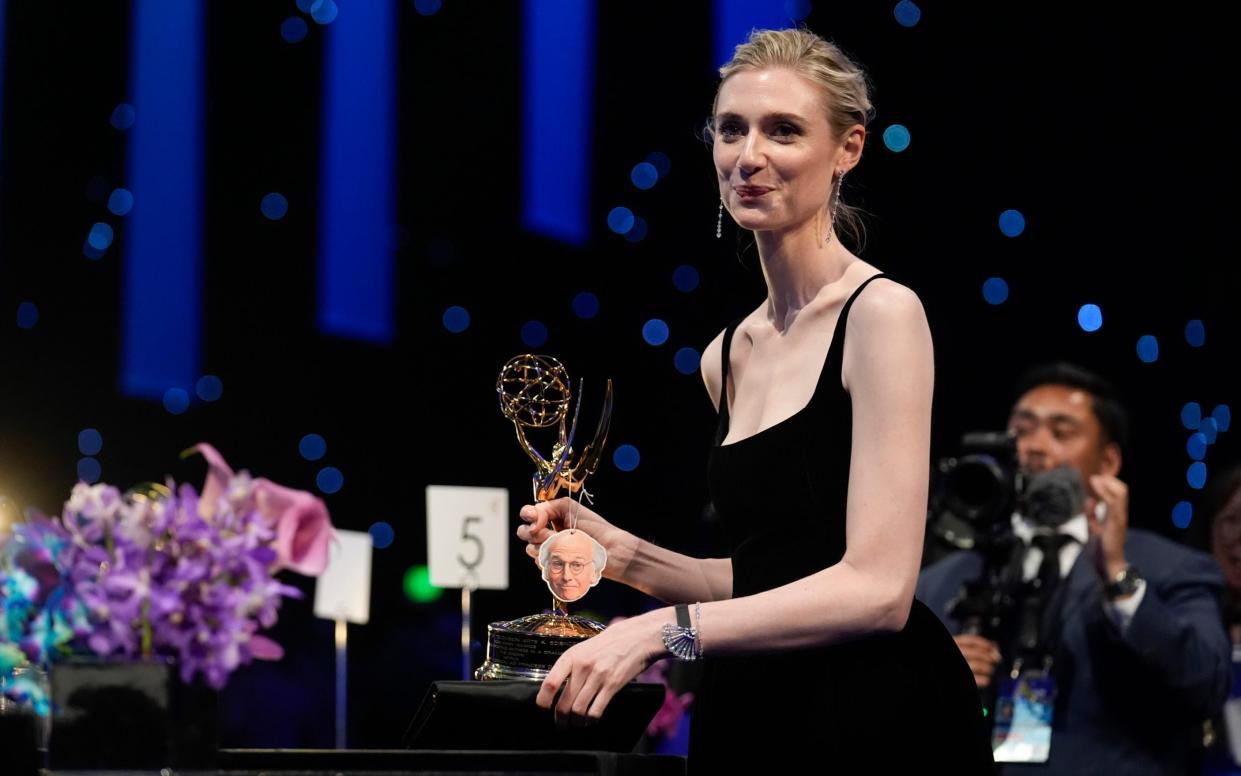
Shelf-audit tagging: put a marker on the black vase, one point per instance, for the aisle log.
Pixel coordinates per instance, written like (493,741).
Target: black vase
(19,741)
(129,714)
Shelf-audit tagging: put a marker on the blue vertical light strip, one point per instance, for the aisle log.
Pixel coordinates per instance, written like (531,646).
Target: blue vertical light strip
(735,18)
(558,45)
(357,204)
(162,243)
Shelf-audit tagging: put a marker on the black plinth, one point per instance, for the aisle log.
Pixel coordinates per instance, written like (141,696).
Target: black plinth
(503,715)
(346,762)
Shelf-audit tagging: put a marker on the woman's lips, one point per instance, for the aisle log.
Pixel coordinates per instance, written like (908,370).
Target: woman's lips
(751,192)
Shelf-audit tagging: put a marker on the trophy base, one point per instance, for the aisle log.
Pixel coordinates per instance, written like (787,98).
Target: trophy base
(527,648)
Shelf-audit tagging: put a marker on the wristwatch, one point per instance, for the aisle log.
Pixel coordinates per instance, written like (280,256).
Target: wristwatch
(680,639)
(1124,583)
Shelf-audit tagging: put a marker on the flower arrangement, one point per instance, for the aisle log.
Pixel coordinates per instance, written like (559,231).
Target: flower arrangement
(159,570)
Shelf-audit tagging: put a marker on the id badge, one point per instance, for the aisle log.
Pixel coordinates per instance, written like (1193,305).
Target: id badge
(1023,707)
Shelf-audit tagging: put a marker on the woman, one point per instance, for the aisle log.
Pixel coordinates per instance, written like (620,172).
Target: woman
(815,647)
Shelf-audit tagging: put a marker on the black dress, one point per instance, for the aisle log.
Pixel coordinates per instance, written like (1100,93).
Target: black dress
(904,700)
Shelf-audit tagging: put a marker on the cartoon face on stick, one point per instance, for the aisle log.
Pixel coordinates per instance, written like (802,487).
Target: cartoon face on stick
(572,563)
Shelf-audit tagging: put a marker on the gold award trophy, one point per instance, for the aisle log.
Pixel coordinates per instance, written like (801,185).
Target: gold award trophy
(535,393)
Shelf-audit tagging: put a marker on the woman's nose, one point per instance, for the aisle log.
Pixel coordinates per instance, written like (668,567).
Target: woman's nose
(753,153)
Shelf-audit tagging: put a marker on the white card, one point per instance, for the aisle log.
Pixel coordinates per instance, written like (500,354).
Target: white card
(468,534)
(343,590)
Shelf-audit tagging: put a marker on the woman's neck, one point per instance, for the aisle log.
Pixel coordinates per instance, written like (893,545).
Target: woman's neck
(797,265)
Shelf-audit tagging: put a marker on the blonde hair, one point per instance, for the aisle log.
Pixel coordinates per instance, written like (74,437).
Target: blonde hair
(843,83)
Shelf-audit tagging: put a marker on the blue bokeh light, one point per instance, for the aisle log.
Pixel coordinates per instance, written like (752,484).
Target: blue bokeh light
(330,480)
(1195,333)
(427,7)
(294,29)
(1182,514)
(1012,223)
(209,388)
(995,291)
(324,11)
(274,206)
(585,305)
(27,315)
(1196,446)
(1191,415)
(312,447)
(907,13)
(620,220)
(644,175)
(655,332)
(638,231)
(896,137)
(1196,475)
(685,278)
(1209,429)
(100,236)
(1223,416)
(89,470)
(176,400)
(663,164)
(456,319)
(1148,349)
(626,458)
(120,202)
(90,441)
(1090,317)
(687,361)
(534,334)
(382,535)
(122,116)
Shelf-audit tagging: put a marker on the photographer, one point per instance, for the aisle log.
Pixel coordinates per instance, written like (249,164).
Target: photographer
(1127,655)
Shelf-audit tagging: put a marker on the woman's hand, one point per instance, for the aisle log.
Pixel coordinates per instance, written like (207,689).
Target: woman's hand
(588,674)
(545,518)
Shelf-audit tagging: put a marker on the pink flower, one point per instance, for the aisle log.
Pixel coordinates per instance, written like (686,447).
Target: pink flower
(303,527)
(667,720)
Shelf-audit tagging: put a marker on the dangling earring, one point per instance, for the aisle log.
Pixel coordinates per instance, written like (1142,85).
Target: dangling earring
(719,220)
(831,224)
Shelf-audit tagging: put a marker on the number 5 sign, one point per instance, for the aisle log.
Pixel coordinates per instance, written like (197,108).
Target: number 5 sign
(468,537)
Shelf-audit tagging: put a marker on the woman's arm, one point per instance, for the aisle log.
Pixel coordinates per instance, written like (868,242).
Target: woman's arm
(669,576)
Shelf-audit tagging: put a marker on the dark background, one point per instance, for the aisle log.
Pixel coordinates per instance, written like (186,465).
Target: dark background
(1105,127)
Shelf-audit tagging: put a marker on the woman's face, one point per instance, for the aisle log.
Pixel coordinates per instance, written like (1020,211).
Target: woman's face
(774,153)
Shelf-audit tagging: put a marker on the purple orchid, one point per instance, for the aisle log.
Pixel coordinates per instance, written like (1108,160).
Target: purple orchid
(164,571)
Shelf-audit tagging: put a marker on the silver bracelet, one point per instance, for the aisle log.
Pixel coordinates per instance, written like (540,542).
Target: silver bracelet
(698,627)
(680,639)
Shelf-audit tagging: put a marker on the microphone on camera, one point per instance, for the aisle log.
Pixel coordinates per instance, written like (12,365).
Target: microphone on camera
(1053,496)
